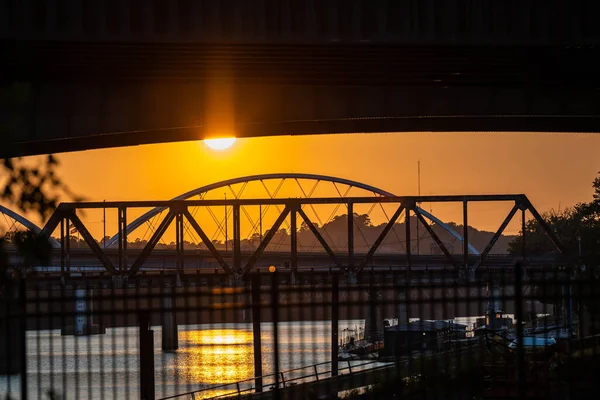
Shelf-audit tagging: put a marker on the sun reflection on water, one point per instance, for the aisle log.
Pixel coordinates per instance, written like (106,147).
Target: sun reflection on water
(215,356)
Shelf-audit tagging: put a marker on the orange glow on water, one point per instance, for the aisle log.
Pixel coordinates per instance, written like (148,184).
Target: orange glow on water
(215,357)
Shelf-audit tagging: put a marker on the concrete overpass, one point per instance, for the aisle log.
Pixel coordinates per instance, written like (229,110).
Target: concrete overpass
(126,73)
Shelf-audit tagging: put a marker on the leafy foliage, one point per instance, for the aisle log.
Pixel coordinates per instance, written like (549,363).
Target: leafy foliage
(26,185)
(573,226)
(578,229)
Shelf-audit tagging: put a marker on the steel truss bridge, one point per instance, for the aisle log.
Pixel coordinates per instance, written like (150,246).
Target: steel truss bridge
(116,257)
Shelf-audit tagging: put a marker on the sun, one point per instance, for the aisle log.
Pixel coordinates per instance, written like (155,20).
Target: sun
(220,143)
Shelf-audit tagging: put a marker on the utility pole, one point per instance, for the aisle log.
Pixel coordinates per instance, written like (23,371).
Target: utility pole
(104,222)
(260,221)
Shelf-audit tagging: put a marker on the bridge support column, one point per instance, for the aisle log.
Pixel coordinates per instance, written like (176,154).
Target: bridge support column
(81,307)
(374,319)
(119,281)
(170,340)
(402,297)
(351,278)
(256,333)
(82,321)
(146,358)
(236,282)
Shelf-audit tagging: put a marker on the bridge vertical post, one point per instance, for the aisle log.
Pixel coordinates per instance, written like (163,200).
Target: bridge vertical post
(256,333)
(294,241)
(146,357)
(237,253)
(335,314)
(62,248)
(523,235)
(350,236)
(122,211)
(68,247)
(465,236)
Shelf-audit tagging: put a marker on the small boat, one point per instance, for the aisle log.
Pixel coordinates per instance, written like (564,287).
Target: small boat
(533,343)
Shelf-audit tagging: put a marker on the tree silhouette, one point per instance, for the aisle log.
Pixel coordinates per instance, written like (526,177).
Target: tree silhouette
(29,186)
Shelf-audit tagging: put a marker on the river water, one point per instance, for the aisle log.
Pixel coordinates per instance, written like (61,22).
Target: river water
(107,366)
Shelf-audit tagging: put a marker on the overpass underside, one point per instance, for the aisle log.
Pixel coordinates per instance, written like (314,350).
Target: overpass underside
(118,95)
(125,73)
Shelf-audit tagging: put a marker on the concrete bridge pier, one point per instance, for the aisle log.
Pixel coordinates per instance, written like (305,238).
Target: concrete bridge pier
(374,320)
(238,296)
(83,323)
(170,340)
(119,281)
(81,308)
(402,297)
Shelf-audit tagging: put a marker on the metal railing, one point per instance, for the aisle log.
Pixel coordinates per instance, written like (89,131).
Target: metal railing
(313,375)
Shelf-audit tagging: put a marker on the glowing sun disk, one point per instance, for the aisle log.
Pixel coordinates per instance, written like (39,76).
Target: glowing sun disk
(220,143)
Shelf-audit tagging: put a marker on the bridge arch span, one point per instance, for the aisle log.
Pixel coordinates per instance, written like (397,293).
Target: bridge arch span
(282,176)
(26,223)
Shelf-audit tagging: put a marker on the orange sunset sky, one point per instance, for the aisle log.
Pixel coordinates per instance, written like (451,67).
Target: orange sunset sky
(552,169)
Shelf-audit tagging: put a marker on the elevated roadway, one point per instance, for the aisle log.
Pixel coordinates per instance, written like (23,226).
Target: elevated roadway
(127,73)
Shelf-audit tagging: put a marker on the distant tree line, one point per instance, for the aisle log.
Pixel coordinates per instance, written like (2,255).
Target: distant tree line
(577,228)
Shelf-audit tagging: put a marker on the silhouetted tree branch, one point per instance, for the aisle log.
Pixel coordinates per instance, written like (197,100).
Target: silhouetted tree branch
(28,186)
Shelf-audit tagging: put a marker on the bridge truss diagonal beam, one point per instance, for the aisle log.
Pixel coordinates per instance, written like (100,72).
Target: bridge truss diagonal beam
(319,237)
(545,227)
(435,237)
(158,233)
(207,242)
(266,240)
(89,240)
(388,227)
(496,236)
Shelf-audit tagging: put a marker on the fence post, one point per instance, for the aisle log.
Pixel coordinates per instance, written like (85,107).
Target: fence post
(258,383)
(335,310)
(316,372)
(275,316)
(521,376)
(22,335)
(146,357)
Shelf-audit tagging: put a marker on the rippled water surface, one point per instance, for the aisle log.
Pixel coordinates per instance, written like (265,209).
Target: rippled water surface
(107,366)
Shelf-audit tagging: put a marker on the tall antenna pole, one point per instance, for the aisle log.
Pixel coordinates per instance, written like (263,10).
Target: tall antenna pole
(419,175)
(419,193)
(104,223)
